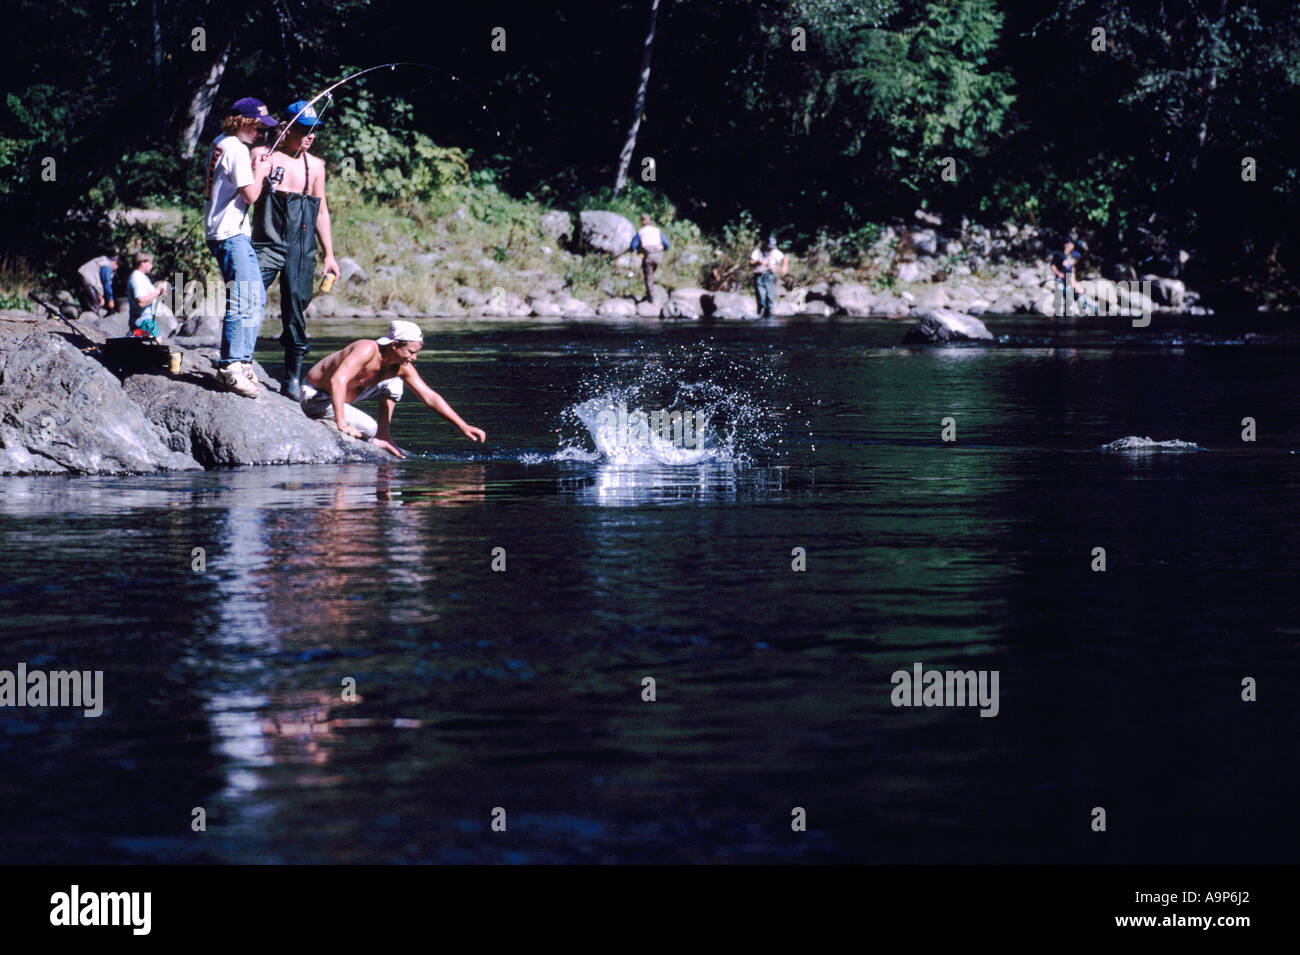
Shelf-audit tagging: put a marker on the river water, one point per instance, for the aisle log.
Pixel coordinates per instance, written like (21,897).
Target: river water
(228,680)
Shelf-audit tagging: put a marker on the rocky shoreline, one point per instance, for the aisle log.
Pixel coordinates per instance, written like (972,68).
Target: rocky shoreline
(66,409)
(62,411)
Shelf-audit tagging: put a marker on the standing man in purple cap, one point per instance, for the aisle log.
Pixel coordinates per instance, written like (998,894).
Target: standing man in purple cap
(286,223)
(235,179)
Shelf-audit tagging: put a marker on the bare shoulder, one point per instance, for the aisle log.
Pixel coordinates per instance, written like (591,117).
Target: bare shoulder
(363,348)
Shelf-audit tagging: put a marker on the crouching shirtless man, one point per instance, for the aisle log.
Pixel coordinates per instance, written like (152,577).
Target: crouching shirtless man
(370,369)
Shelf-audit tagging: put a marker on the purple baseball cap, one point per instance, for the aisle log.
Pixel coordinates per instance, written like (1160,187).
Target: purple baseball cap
(255,109)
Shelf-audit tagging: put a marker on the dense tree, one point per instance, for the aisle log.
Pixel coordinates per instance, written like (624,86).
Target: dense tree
(805,115)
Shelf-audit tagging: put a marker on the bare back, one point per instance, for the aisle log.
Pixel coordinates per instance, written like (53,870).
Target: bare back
(363,358)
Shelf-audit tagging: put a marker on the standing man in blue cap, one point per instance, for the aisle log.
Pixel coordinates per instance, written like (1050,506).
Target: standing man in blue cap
(286,223)
(235,180)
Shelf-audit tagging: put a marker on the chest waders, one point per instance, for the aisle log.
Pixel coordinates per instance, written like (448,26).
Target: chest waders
(284,235)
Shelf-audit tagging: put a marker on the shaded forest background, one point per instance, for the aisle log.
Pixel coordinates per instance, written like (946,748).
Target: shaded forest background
(1138,146)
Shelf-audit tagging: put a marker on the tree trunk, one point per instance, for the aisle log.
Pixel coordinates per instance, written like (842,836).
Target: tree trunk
(638,105)
(201,103)
(157,59)
(1216,48)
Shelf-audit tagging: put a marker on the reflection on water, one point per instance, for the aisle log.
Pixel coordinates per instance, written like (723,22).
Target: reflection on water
(521,685)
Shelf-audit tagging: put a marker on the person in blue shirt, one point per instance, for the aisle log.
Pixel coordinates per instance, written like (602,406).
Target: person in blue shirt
(650,241)
(97,282)
(141,295)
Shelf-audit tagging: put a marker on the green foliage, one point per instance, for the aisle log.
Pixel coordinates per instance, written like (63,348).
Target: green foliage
(392,160)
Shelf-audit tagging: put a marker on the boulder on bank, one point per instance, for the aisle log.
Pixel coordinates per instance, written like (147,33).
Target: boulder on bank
(851,299)
(728,305)
(616,308)
(1165,291)
(942,325)
(558,225)
(683,303)
(217,428)
(63,412)
(604,231)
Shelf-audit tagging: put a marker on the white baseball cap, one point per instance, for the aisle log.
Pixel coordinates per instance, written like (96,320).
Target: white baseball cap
(400,331)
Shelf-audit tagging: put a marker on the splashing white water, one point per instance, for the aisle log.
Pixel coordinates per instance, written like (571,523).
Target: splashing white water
(1134,444)
(690,405)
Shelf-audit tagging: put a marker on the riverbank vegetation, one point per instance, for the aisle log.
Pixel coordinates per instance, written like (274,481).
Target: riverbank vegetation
(1155,133)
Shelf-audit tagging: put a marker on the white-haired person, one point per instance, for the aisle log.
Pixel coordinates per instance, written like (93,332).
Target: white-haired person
(374,368)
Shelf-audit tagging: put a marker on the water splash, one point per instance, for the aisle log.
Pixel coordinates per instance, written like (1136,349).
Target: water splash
(688,405)
(1135,445)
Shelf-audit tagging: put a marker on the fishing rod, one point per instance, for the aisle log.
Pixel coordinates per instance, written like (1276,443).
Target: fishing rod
(328,95)
(328,91)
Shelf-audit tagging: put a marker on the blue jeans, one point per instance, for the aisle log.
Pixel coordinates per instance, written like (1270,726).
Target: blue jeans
(765,291)
(245,297)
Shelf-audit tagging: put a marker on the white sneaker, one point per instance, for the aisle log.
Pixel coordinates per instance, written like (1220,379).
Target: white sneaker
(252,377)
(235,378)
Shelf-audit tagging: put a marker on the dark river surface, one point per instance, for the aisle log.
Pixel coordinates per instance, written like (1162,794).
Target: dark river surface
(521,689)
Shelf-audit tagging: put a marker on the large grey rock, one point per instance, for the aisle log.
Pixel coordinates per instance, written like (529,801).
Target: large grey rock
(930,297)
(726,305)
(943,325)
(572,307)
(351,271)
(558,225)
(889,306)
(1132,299)
(909,272)
(616,308)
(202,324)
(683,303)
(604,231)
(852,299)
(1167,291)
(545,308)
(61,411)
(218,428)
(925,241)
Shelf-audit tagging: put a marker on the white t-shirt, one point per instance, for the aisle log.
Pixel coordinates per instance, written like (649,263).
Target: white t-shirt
(766,261)
(137,287)
(229,170)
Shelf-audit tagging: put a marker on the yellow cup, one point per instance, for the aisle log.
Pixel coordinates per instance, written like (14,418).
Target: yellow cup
(327,282)
(174,366)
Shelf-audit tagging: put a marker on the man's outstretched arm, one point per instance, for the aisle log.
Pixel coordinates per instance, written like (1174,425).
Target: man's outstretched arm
(435,401)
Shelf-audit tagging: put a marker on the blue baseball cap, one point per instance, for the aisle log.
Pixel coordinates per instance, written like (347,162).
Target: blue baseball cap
(251,108)
(308,117)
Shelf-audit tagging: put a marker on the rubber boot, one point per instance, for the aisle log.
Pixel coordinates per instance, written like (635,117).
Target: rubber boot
(291,386)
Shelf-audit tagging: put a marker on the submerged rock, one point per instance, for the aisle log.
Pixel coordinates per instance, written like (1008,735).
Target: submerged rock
(942,325)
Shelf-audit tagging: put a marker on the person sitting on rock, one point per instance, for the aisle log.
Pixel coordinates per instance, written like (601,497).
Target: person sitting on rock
(651,242)
(378,368)
(765,263)
(141,295)
(97,282)
(287,220)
